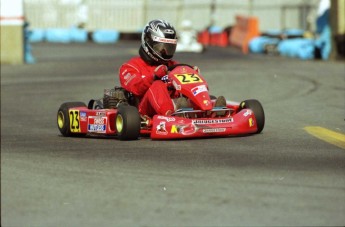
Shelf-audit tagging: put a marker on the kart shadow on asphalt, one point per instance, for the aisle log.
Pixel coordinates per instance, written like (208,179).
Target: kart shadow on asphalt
(147,137)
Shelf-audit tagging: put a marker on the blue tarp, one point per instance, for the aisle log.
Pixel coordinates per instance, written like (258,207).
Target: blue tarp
(215,29)
(303,48)
(257,45)
(273,37)
(28,57)
(37,35)
(78,35)
(105,36)
(58,35)
(293,32)
(299,48)
(323,42)
(273,32)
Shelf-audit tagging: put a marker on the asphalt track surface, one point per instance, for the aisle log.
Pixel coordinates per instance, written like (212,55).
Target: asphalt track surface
(284,176)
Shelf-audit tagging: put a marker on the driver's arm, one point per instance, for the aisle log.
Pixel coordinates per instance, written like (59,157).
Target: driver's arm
(133,80)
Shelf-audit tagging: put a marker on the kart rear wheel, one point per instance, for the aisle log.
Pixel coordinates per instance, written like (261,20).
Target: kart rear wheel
(63,119)
(258,110)
(127,123)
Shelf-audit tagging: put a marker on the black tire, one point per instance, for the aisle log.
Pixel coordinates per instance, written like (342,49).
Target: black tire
(258,110)
(63,119)
(127,123)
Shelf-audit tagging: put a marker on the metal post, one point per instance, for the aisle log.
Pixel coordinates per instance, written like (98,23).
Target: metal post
(12,31)
(334,22)
(251,6)
(212,13)
(144,12)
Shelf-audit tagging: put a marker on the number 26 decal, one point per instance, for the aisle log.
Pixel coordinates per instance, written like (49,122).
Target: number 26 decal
(74,120)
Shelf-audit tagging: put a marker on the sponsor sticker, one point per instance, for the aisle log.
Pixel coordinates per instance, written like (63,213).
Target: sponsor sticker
(188,129)
(213,121)
(164,40)
(169,31)
(213,130)
(74,120)
(175,129)
(97,124)
(168,119)
(161,129)
(128,77)
(198,89)
(206,102)
(188,78)
(99,114)
(247,113)
(83,116)
(251,122)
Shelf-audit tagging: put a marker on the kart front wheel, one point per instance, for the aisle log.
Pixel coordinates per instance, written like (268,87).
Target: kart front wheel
(127,123)
(63,118)
(258,110)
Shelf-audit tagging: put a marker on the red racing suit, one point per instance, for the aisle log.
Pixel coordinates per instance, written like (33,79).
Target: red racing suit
(137,77)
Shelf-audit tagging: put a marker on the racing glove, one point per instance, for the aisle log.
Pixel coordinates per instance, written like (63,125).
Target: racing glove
(165,79)
(196,68)
(160,71)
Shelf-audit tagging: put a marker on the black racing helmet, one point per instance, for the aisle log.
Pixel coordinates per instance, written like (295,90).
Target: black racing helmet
(159,40)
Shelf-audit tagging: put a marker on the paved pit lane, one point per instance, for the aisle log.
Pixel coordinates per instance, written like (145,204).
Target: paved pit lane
(281,177)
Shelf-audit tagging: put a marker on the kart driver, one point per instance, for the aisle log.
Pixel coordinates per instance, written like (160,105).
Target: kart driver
(139,74)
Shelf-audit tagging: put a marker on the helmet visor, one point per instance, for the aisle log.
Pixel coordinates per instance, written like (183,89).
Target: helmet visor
(164,47)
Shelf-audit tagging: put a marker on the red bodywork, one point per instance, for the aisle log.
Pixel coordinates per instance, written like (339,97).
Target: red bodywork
(188,82)
(89,121)
(177,127)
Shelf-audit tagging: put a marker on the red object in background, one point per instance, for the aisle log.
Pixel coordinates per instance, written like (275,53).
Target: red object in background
(204,37)
(213,39)
(223,39)
(245,29)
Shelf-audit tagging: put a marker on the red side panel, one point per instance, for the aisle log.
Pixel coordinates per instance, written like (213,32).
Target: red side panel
(165,127)
(84,120)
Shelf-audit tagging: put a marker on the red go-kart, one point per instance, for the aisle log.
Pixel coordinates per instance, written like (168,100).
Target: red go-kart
(116,114)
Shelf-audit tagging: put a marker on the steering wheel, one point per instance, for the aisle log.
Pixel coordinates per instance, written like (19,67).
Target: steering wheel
(170,68)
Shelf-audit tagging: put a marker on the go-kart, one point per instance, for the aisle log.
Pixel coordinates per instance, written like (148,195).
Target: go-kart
(116,113)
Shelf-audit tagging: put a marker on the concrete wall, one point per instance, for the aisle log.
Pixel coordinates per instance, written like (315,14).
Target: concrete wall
(12,48)
(132,15)
(341,17)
